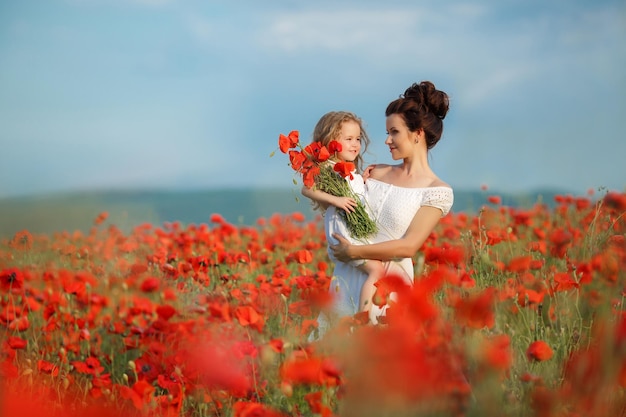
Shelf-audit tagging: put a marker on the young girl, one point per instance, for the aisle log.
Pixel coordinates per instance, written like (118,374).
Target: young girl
(347,129)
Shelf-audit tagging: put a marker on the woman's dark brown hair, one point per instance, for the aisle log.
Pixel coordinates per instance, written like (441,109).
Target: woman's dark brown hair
(422,106)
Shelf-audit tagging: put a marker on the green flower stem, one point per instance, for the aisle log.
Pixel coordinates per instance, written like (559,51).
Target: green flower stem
(359,223)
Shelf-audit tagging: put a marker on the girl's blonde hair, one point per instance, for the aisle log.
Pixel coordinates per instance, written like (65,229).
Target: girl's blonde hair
(328,128)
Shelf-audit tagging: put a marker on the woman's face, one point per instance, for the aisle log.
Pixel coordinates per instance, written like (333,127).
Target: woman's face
(350,140)
(400,140)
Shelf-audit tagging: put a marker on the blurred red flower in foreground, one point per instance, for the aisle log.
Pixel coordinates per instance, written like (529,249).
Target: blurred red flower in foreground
(539,351)
(11,279)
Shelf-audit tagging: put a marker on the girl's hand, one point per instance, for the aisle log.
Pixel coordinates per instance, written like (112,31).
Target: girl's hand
(341,249)
(345,203)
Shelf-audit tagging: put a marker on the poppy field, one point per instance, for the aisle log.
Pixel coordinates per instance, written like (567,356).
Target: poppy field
(514,312)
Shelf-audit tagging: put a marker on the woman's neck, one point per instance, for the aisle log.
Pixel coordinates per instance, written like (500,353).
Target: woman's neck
(416,165)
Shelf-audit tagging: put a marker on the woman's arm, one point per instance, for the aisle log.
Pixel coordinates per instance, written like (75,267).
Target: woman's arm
(325,199)
(407,246)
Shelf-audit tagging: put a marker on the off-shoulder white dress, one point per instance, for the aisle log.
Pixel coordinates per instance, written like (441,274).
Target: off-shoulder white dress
(393,208)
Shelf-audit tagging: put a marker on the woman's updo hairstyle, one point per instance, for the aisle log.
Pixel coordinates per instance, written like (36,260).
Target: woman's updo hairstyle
(422,106)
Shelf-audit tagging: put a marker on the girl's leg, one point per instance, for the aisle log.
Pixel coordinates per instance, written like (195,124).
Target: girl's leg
(375,271)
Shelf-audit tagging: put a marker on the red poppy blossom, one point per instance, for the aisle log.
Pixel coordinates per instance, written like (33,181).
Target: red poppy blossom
(165,311)
(296,160)
(288,142)
(334,146)
(253,409)
(304,256)
(15,342)
(519,264)
(308,177)
(445,255)
(344,169)
(218,368)
(22,240)
(11,279)
(498,352)
(564,281)
(150,284)
(91,366)
(47,367)
(101,218)
(310,370)
(20,324)
(477,310)
(139,394)
(317,152)
(615,200)
(387,285)
(248,316)
(539,351)
(217,218)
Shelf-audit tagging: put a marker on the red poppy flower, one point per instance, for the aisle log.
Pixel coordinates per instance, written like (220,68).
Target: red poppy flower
(150,284)
(15,342)
(165,311)
(310,370)
(47,367)
(477,310)
(519,264)
(90,366)
(22,240)
(344,169)
(296,160)
(312,149)
(539,351)
(334,146)
(288,142)
(101,218)
(386,286)
(615,200)
(304,256)
(444,255)
(564,281)
(217,218)
(308,177)
(218,368)
(248,316)
(20,324)
(498,353)
(11,279)
(317,152)
(250,409)
(139,394)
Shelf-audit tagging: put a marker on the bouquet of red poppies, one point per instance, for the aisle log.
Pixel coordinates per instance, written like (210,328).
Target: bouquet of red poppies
(319,172)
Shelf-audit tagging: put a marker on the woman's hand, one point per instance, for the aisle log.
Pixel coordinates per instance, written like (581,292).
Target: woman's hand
(345,203)
(341,250)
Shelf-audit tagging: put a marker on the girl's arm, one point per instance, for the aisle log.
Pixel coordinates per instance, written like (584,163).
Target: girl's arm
(407,246)
(325,199)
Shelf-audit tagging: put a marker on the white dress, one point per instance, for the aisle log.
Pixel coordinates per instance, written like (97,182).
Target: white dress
(393,209)
(334,220)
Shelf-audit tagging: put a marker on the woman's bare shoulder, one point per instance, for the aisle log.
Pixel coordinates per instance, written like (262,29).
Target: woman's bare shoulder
(379,170)
(439,183)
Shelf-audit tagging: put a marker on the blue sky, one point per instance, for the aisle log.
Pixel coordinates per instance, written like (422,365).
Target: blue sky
(101,94)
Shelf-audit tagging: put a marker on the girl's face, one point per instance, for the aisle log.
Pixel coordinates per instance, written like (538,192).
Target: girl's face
(400,139)
(350,140)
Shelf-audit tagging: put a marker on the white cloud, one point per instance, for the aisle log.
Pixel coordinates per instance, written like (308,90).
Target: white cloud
(338,30)
(200,28)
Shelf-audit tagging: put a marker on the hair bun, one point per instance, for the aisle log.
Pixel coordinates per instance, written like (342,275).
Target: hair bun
(429,98)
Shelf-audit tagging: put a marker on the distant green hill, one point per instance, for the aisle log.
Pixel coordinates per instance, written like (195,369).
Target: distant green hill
(76,211)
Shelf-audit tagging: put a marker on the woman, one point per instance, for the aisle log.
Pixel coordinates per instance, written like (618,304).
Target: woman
(407,200)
